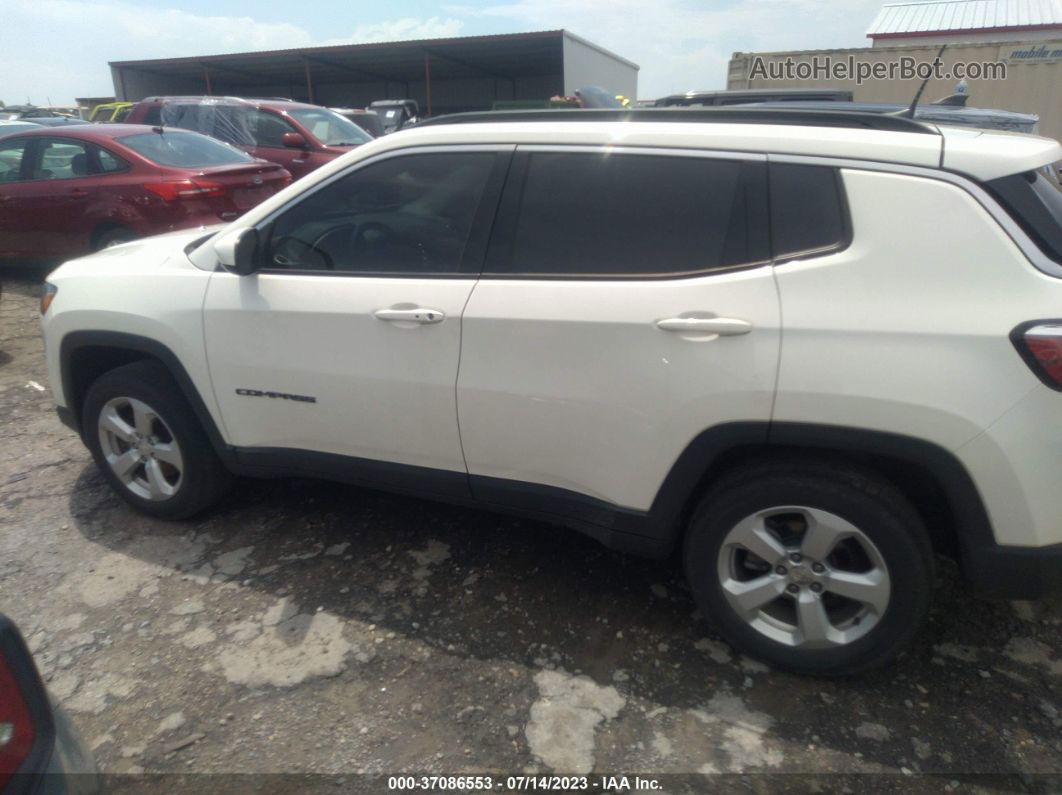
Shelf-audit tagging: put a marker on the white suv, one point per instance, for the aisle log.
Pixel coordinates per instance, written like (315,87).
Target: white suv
(805,349)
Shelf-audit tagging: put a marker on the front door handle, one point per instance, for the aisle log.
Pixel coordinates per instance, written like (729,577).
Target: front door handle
(722,326)
(416,315)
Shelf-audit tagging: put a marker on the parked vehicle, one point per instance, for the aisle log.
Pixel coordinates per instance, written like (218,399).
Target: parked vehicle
(368,120)
(617,293)
(297,136)
(13,112)
(396,113)
(11,127)
(110,112)
(745,96)
(56,121)
(72,190)
(40,751)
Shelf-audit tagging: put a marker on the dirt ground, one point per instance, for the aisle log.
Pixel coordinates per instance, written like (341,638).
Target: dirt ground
(314,628)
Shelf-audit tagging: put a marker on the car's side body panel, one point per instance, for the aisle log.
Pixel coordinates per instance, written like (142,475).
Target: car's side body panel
(899,332)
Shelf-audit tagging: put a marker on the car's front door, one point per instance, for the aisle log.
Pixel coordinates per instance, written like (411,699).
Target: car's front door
(268,130)
(59,196)
(14,172)
(627,305)
(347,341)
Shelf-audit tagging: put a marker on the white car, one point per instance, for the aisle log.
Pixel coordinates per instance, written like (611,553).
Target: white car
(804,348)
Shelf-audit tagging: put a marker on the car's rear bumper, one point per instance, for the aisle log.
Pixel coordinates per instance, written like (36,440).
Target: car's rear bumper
(1007,572)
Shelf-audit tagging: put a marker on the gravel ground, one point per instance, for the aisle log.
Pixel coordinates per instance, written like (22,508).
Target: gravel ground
(312,628)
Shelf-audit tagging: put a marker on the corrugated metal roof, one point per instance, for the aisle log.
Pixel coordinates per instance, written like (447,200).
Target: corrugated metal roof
(944,15)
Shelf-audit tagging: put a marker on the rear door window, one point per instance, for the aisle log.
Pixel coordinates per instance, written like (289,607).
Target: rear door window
(599,214)
(62,158)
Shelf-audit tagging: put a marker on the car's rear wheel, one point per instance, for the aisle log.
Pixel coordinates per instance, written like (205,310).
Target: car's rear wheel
(148,444)
(819,568)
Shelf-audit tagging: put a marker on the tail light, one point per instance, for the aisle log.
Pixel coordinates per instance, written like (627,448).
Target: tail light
(27,731)
(175,190)
(1040,344)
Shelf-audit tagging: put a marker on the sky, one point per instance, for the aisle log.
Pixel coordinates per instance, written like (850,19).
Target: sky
(54,50)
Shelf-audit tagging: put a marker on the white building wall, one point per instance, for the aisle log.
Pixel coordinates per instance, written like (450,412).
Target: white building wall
(586,64)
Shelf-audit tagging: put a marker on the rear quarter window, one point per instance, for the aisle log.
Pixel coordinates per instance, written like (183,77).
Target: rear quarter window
(808,214)
(1033,201)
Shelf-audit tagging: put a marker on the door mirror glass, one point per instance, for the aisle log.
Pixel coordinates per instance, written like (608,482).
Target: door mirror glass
(294,140)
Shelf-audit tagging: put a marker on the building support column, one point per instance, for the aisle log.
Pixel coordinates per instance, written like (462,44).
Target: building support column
(309,81)
(427,80)
(206,79)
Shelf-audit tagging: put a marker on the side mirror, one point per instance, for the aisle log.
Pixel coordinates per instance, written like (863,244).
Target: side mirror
(294,140)
(239,253)
(246,252)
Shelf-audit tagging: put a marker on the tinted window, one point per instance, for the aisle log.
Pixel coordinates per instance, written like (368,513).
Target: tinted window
(601,214)
(153,115)
(184,149)
(62,158)
(409,214)
(11,154)
(807,213)
(268,129)
(1036,205)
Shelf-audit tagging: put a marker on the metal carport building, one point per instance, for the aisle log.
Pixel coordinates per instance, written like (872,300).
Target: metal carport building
(443,75)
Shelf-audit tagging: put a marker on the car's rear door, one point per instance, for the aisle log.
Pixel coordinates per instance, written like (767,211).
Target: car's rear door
(627,305)
(342,352)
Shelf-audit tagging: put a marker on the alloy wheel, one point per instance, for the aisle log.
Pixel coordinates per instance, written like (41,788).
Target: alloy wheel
(140,448)
(804,577)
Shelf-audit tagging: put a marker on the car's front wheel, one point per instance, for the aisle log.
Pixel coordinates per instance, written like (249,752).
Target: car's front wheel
(148,444)
(819,568)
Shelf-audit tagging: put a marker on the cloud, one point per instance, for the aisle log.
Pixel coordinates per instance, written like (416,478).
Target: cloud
(685,44)
(407,28)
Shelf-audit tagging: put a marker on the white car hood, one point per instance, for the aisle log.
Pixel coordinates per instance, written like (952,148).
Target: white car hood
(162,252)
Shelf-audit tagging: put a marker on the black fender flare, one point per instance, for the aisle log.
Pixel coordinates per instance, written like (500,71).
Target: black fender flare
(75,341)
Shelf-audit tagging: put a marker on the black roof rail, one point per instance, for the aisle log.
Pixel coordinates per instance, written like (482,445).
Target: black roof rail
(728,115)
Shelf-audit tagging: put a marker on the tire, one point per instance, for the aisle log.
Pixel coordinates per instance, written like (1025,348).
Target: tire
(857,590)
(114,237)
(136,421)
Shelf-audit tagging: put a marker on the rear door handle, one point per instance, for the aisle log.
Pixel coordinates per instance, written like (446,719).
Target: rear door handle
(723,326)
(418,315)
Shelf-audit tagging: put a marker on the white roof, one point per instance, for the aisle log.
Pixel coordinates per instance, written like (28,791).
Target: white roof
(982,154)
(947,15)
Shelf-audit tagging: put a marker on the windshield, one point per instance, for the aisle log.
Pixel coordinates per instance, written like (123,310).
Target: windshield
(184,149)
(330,128)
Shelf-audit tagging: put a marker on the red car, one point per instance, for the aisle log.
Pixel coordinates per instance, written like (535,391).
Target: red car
(68,191)
(298,136)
